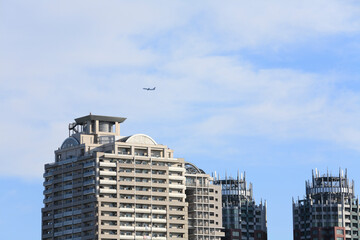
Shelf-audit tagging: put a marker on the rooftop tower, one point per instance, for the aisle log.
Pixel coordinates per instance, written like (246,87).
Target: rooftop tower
(329,210)
(242,217)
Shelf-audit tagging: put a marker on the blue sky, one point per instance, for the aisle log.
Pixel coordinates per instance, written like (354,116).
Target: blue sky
(270,88)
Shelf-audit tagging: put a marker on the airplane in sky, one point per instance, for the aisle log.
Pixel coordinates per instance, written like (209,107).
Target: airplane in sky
(149,89)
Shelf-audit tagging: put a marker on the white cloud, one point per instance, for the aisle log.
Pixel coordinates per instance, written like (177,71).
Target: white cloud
(63,59)
(277,22)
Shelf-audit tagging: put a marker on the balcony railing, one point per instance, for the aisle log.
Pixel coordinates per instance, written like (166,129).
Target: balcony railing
(90,173)
(89,191)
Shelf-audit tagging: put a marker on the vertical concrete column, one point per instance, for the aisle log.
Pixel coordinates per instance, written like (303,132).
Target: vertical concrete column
(96,130)
(117,129)
(89,128)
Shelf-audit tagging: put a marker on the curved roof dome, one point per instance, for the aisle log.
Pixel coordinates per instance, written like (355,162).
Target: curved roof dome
(69,142)
(141,139)
(192,169)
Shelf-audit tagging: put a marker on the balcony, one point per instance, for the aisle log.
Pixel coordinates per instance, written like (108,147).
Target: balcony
(158,211)
(66,187)
(141,237)
(107,173)
(175,177)
(107,164)
(69,160)
(131,210)
(67,223)
(90,173)
(177,169)
(89,182)
(56,234)
(158,220)
(89,164)
(68,213)
(124,151)
(48,174)
(48,191)
(142,229)
(126,228)
(76,212)
(175,194)
(76,230)
(56,225)
(89,191)
(47,200)
(69,231)
(67,178)
(108,182)
(47,183)
(69,195)
(104,190)
(127,219)
(158,229)
(177,186)
(140,210)
(126,237)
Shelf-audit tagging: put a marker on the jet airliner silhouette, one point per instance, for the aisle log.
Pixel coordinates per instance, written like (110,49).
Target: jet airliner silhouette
(149,89)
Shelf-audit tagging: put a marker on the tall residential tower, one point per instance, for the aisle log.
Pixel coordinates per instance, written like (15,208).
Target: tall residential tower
(329,209)
(103,186)
(242,217)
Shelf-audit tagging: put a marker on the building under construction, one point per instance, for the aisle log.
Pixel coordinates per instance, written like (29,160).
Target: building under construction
(329,209)
(242,217)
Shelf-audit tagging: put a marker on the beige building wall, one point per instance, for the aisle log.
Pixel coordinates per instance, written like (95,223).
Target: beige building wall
(103,186)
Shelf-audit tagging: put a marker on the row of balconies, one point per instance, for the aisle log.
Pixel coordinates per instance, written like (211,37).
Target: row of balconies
(171,168)
(68,178)
(89,173)
(131,218)
(66,223)
(69,213)
(132,174)
(67,196)
(65,232)
(141,210)
(146,220)
(148,192)
(144,229)
(146,182)
(130,237)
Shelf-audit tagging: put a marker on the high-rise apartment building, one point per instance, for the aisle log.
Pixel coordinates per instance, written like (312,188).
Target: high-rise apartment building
(242,217)
(204,210)
(329,209)
(105,186)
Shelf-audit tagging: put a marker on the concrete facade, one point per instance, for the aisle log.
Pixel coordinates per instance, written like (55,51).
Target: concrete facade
(329,210)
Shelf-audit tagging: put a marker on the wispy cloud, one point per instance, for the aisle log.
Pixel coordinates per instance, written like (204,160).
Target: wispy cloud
(63,59)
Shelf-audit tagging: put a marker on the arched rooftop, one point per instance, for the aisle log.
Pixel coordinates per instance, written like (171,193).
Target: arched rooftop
(139,139)
(192,169)
(69,142)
